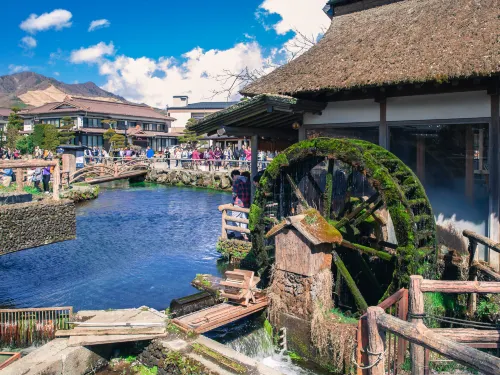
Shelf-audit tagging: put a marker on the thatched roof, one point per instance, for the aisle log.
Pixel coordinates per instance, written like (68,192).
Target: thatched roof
(408,41)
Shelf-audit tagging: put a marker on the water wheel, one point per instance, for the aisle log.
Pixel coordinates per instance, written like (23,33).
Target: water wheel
(369,195)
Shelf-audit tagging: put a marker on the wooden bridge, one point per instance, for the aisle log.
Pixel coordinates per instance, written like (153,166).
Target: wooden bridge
(110,171)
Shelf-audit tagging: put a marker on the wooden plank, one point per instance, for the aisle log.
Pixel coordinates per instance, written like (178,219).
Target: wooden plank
(416,301)
(376,342)
(235,219)
(99,340)
(111,331)
(483,287)
(493,245)
(230,207)
(426,338)
(27,163)
(237,229)
(486,270)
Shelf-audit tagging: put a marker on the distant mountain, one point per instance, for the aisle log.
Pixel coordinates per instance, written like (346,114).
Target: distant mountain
(33,89)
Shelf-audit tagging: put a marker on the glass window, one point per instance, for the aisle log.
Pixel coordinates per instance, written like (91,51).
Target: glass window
(369,133)
(198,115)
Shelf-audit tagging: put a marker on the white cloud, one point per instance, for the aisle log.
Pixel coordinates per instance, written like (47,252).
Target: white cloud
(92,54)
(99,24)
(198,72)
(57,19)
(56,74)
(18,68)
(28,42)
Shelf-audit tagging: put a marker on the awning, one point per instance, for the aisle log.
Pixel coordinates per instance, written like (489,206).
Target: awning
(264,115)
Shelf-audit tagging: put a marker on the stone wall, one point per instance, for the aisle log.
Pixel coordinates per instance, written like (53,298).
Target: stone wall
(212,180)
(27,225)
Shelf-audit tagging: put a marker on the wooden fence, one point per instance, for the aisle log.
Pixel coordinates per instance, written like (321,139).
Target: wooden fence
(20,167)
(459,345)
(226,219)
(396,305)
(25,327)
(475,266)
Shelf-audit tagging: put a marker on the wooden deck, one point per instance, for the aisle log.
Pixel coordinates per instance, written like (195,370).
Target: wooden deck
(216,316)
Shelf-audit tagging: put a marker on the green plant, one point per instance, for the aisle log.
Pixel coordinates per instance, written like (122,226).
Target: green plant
(66,133)
(342,317)
(25,144)
(294,356)
(488,308)
(143,370)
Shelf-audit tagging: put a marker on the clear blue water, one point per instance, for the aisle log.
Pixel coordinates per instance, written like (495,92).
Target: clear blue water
(134,247)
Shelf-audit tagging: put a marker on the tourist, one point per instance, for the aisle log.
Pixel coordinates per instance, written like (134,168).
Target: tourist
(217,157)
(37,178)
(196,158)
(241,198)
(38,152)
(46,179)
(227,157)
(167,156)
(7,175)
(150,153)
(177,156)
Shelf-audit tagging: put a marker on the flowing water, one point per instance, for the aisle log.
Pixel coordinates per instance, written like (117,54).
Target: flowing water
(134,247)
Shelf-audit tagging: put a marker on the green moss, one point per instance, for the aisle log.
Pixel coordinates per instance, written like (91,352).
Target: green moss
(219,358)
(342,317)
(236,249)
(255,216)
(268,328)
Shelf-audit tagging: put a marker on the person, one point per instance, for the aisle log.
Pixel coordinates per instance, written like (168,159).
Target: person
(95,154)
(150,153)
(7,176)
(38,152)
(196,158)
(46,179)
(37,178)
(217,157)
(241,198)
(167,156)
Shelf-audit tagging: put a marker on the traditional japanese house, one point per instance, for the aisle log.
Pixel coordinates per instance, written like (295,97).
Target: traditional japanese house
(419,77)
(141,124)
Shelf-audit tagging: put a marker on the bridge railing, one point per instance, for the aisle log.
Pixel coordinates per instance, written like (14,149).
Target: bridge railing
(210,165)
(230,223)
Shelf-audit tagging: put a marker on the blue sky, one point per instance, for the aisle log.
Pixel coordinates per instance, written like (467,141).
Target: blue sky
(148,51)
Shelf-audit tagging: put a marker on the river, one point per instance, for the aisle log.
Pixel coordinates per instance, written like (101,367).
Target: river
(134,247)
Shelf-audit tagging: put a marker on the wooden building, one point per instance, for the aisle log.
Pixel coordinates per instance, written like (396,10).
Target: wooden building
(421,78)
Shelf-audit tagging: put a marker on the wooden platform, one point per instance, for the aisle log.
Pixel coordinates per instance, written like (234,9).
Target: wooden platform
(216,316)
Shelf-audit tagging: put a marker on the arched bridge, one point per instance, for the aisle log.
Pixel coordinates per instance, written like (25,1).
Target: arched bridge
(110,170)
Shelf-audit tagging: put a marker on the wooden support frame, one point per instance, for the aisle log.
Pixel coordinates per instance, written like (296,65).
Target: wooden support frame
(416,301)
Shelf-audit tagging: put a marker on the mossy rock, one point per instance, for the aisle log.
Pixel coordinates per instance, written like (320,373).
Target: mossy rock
(232,248)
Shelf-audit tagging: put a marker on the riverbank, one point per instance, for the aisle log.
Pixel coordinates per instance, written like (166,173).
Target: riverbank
(160,173)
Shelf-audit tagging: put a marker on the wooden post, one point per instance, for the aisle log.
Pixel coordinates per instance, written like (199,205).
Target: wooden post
(383,129)
(416,315)
(19,179)
(471,305)
(224,233)
(56,181)
(403,315)
(362,337)
(494,177)
(469,163)
(255,160)
(376,342)
(421,158)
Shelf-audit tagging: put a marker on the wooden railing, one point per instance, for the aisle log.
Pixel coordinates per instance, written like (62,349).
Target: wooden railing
(475,266)
(20,167)
(228,219)
(25,327)
(397,305)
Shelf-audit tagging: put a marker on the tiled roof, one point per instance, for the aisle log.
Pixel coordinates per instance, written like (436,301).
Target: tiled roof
(142,133)
(206,105)
(5,112)
(99,106)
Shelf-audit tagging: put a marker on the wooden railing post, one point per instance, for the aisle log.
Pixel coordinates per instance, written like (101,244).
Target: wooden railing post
(362,336)
(57,181)
(224,232)
(471,305)
(376,342)
(19,178)
(416,316)
(402,344)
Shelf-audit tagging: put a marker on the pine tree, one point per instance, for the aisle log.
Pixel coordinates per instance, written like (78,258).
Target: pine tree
(66,133)
(189,136)
(115,140)
(38,135)
(14,124)
(50,137)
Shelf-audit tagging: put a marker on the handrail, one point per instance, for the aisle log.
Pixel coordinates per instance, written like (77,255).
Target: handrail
(226,218)
(231,207)
(482,240)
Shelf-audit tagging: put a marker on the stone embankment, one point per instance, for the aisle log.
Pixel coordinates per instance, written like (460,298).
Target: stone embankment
(80,192)
(32,224)
(161,174)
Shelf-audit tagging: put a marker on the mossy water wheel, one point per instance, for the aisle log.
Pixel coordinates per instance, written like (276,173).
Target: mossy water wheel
(368,194)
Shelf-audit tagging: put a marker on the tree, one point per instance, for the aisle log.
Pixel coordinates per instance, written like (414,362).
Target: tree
(116,141)
(14,124)
(66,133)
(50,137)
(25,144)
(189,136)
(38,135)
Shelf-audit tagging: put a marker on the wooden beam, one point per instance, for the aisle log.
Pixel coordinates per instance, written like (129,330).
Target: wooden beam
(486,270)
(421,158)
(297,192)
(367,250)
(470,335)
(494,176)
(423,337)
(27,163)
(493,245)
(376,342)
(248,132)
(482,287)
(383,129)
(416,301)
(469,163)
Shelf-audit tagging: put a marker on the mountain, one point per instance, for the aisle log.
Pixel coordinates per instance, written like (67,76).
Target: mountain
(28,89)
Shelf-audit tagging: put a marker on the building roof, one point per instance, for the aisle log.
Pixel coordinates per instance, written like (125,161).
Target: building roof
(260,112)
(140,134)
(205,105)
(72,104)
(5,112)
(403,42)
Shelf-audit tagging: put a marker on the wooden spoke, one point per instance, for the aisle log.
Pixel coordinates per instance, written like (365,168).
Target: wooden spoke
(367,250)
(354,214)
(351,284)
(298,193)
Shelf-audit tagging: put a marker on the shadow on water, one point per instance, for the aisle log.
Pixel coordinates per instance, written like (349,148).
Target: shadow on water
(137,246)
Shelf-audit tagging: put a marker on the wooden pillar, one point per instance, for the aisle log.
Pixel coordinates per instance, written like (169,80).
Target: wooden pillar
(19,179)
(255,159)
(383,129)
(469,163)
(471,306)
(417,352)
(56,182)
(421,158)
(376,342)
(494,169)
